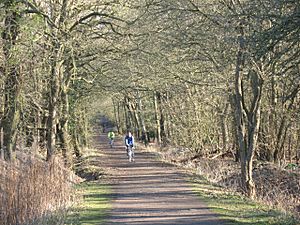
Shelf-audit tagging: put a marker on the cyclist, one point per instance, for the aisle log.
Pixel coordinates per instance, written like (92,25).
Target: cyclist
(111,137)
(129,143)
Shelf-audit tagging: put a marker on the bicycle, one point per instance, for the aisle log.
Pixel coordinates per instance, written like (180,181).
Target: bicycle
(111,142)
(130,153)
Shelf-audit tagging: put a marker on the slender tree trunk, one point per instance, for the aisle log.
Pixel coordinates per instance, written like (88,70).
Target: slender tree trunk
(157,120)
(240,117)
(298,147)
(141,117)
(1,125)
(63,125)
(224,128)
(84,125)
(126,116)
(280,140)
(1,120)
(36,131)
(285,125)
(76,144)
(132,112)
(1,142)
(290,156)
(116,115)
(248,120)
(120,127)
(272,140)
(161,119)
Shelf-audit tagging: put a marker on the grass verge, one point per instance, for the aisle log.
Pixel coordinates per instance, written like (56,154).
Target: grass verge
(238,210)
(94,206)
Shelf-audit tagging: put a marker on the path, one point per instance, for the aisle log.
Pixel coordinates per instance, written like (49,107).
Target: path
(150,192)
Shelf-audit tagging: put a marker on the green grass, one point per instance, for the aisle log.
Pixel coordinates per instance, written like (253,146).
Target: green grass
(94,206)
(238,210)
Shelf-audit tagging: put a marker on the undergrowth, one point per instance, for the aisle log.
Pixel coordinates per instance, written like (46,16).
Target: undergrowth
(277,190)
(238,210)
(34,192)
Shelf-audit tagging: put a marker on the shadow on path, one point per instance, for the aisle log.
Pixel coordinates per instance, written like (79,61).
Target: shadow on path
(150,192)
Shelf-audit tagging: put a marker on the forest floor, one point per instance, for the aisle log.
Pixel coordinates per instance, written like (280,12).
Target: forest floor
(149,191)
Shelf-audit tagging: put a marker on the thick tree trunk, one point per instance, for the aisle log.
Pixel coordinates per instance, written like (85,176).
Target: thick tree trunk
(57,74)
(236,148)
(56,70)
(12,87)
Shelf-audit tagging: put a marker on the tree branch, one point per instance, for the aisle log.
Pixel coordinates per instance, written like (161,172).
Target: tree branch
(93,14)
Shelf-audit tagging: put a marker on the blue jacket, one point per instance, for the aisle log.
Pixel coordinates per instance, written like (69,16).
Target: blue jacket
(129,140)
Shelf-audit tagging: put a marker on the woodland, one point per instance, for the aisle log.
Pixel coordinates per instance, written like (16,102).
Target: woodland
(213,79)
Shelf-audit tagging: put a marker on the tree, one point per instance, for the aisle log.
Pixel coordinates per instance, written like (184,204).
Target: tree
(13,77)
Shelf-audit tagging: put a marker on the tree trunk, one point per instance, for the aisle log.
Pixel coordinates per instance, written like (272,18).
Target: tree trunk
(127,117)
(248,121)
(1,125)
(57,74)
(271,143)
(56,69)
(280,140)
(224,128)
(157,120)
(116,115)
(77,151)
(133,115)
(298,147)
(236,148)
(12,87)
(120,127)
(161,119)
(141,119)
(63,132)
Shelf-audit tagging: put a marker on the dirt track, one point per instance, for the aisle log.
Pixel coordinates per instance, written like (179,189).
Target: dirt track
(150,192)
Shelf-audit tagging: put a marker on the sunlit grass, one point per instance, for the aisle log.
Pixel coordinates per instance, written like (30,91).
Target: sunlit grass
(238,210)
(94,206)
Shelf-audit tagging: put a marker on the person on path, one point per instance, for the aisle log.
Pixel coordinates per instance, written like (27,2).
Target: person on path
(111,137)
(129,142)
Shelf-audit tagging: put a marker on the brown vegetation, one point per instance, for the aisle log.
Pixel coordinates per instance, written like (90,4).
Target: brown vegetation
(275,186)
(33,190)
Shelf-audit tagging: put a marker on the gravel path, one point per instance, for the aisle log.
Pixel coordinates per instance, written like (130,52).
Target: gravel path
(151,192)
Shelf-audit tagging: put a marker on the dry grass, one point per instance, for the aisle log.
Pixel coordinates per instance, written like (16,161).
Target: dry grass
(32,191)
(275,186)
